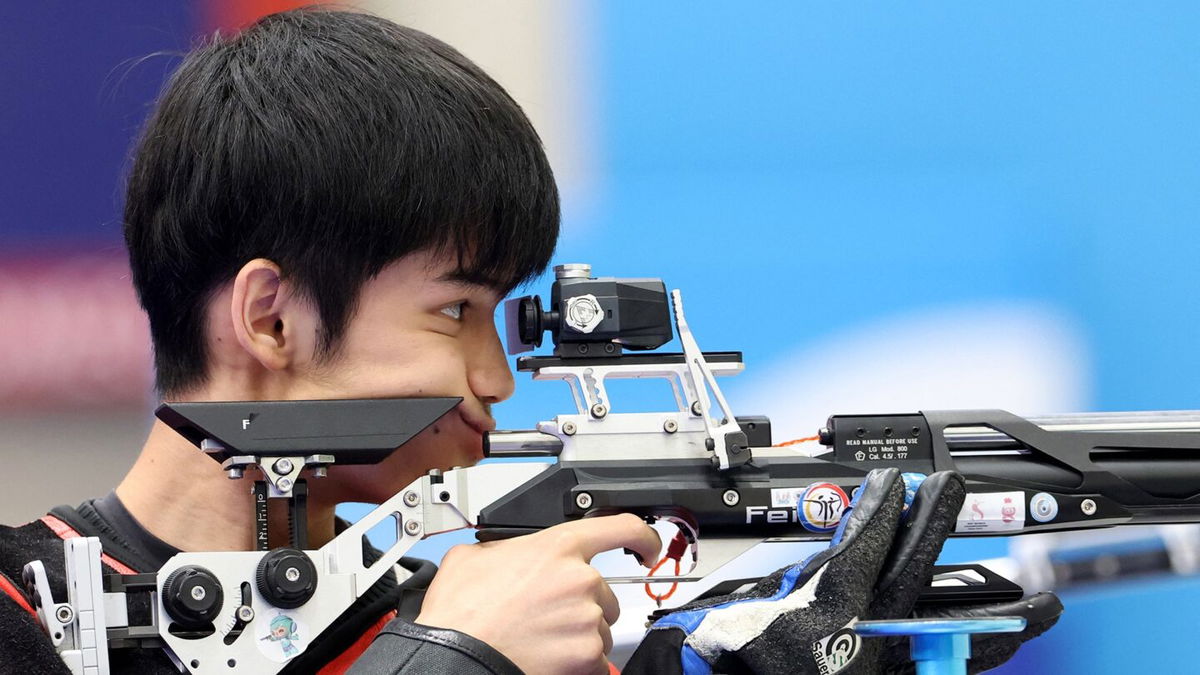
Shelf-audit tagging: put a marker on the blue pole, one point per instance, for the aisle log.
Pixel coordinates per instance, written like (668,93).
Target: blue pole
(941,654)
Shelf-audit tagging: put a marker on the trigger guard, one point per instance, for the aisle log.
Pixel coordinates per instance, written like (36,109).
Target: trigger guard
(682,519)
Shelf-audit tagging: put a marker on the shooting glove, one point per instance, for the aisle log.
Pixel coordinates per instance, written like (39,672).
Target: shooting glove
(797,620)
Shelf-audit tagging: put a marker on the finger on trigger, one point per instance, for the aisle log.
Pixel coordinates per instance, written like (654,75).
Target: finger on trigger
(596,535)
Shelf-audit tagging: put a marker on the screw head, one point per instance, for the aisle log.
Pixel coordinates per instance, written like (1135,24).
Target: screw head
(198,592)
(731,497)
(412,527)
(64,614)
(568,428)
(1088,507)
(583,500)
(411,498)
(696,409)
(234,473)
(245,613)
(599,411)
(291,574)
(320,472)
(284,484)
(284,465)
(670,426)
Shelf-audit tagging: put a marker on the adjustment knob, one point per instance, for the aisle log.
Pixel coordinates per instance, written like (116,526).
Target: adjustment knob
(286,578)
(192,596)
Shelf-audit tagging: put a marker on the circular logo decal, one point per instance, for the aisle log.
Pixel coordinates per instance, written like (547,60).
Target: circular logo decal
(841,648)
(821,506)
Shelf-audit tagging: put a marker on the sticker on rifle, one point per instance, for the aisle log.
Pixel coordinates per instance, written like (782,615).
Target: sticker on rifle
(834,652)
(820,507)
(992,512)
(281,638)
(786,498)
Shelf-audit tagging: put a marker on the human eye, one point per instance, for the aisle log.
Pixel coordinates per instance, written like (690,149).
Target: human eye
(454,311)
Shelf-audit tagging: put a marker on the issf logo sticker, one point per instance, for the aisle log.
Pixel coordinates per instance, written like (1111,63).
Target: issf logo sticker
(820,507)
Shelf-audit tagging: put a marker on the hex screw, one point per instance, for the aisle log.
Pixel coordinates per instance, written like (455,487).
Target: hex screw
(412,527)
(65,614)
(284,465)
(245,613)
(731,497)
(568,428)
(284,484)
(583,500)
(670,426)
(696,409)
(599,411)
(411,498)
(1088,507)
(198,592)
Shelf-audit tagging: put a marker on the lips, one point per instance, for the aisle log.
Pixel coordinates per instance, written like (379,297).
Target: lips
(480,423)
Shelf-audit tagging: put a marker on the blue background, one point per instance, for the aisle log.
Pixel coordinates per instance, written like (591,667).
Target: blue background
(844,163)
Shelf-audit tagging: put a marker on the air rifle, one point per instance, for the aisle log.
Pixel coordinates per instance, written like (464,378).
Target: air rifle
(717,477)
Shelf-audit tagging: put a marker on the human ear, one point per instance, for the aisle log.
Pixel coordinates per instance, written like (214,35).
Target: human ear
(263,312)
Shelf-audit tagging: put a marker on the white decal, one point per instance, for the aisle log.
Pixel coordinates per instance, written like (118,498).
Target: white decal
(786,497)
(992,512)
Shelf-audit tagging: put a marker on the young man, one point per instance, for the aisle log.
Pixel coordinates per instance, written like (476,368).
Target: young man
(330,206)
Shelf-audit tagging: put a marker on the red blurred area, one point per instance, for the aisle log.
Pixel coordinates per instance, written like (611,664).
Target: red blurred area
(71,334)
(237,14)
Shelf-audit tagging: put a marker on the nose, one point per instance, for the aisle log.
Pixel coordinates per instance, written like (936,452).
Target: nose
(488,374)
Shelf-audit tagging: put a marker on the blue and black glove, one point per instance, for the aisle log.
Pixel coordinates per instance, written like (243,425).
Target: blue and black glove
(798,619)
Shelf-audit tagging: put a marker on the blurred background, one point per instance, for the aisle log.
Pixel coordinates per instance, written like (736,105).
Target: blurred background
(949,205)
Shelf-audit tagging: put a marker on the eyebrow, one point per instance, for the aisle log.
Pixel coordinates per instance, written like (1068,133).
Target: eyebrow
(460,278)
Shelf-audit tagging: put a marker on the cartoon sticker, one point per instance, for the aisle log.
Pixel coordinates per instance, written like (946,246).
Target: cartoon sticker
(281,638)
(992,512)
(820,507)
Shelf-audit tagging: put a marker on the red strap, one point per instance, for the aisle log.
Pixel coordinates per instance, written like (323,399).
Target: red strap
(347,658)
(8,587)
(65,531)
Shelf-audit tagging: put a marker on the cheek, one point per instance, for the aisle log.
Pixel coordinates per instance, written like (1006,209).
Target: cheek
(432,368)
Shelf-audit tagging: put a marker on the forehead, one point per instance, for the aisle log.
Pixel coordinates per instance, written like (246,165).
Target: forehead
(425,272)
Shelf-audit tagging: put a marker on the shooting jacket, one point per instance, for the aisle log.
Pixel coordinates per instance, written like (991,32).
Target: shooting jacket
(374,636)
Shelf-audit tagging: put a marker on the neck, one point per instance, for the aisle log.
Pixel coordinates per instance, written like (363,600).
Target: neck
(181,496)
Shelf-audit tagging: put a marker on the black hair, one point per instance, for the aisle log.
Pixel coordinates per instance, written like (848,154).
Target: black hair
(332,143)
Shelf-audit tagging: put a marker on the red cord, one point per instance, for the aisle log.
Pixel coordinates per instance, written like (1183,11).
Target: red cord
(797,441)
(674,552)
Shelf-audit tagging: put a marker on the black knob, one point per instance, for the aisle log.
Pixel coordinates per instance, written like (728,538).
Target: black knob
(192,596)
(530,324)
(286,578)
